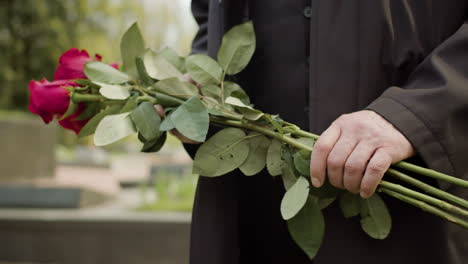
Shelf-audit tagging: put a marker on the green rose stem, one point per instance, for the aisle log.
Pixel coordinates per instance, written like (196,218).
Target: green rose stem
(286,139)
(417,198)
(428,188)
(167,100)
(425,198)
(425,207)
(78,98)
(431,173)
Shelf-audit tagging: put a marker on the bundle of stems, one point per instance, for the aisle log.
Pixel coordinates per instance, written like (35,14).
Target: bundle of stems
(432,200)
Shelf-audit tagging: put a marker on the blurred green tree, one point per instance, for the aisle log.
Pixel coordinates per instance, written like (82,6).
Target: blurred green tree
(34,33)
(28,43)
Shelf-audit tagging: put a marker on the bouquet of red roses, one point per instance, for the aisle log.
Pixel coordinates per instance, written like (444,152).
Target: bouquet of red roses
(111,102)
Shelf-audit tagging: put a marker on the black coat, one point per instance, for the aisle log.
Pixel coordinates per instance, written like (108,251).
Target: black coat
(405,59)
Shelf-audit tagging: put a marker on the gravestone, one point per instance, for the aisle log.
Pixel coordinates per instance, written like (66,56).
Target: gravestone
(27,150)
(28,170)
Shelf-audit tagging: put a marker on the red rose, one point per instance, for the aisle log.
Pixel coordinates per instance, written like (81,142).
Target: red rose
(49,99)
(71,64)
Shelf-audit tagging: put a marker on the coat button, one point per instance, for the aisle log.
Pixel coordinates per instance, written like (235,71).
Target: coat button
(308,12)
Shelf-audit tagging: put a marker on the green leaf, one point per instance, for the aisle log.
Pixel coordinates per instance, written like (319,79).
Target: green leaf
(234,90)
(154,145)
(375,218)
(274,160)
(91,109)
(102,73)
(92,124)
(256,160)
(203,69)
(159,68)
(212,91)
(350,204)
(222,153)
(171,56)
(147,121)
(177,88)
(237,48)
(167,124)
(307,141)
(302,162)
(142,73)
(132,46)
(191,119)
(112,91)
(325,202)
(247,111)
(325,191)
(295,198)
(71,109)
(215,108)
(84,82)
(307,228)
(113,128)
(230,90)
(275,121)
(131,104)
(288,171)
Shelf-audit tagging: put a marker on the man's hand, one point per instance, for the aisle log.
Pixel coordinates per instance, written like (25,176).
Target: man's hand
(356,150)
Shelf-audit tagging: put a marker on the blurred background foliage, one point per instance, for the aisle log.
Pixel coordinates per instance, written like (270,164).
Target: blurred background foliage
(33,34)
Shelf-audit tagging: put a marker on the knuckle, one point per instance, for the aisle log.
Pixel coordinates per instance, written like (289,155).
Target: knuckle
(377,167)
(333,162)
(341,119)
(353,168)
(322,147)
(359,126)
(373,140)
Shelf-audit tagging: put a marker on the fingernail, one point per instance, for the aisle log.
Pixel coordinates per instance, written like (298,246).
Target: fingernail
(364,195)
(316,182)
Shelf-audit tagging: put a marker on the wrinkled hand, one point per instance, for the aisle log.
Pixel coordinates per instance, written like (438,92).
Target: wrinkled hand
(356,150)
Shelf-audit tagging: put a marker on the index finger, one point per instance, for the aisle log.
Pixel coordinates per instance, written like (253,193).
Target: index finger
(318,159)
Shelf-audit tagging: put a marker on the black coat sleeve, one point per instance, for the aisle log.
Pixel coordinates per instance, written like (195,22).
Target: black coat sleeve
(200,11)
(431,108)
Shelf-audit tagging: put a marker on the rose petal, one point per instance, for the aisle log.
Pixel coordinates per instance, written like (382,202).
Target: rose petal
(115,65)
(72,124)
(49,98)
(71,65)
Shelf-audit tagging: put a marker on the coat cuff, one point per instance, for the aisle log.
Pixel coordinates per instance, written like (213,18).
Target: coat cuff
(418,134)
